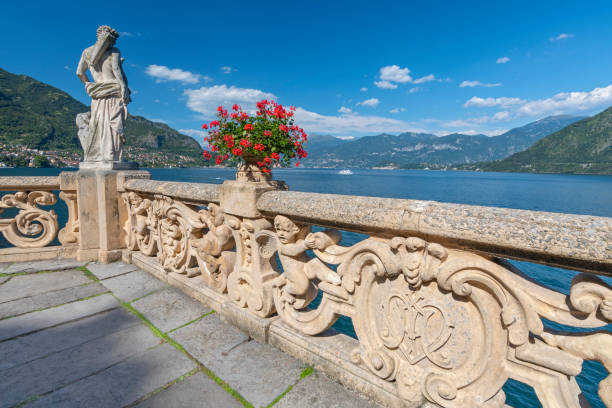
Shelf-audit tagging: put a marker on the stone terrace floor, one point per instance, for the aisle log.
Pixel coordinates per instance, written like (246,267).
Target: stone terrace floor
(75,335)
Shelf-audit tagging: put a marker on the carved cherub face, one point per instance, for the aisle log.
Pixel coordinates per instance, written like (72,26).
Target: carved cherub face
(286,230)
(135,199)
(217,214)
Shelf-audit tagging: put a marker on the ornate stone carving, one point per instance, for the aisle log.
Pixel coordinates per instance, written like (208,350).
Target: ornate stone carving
(214,250)
(70,233)
(443,325)
(249,284)
(186,239)
(294,289)
(32,227)
(446,326)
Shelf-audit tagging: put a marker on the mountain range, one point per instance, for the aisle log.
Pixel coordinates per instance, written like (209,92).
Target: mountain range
(423,148)
(582,147)
(40,116)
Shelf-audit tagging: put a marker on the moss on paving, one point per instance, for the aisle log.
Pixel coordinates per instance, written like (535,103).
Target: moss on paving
(164,387)
(180,348)
(88,273)
(193,321)
(305,373)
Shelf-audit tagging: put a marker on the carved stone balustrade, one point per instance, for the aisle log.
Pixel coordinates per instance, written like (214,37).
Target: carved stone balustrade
(33,228)
(440,317)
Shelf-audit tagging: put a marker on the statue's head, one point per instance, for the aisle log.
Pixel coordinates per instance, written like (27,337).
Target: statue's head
(106,33)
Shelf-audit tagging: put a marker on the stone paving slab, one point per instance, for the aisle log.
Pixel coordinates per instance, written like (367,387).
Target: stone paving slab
(258,372)
(4,279)
(105,271)
(62,368)
(31,322)
(170,308)
(43,343)
(37,266)
(209,338)
(133,285)
(30,285)
(197,391)
(3,266)
(54,298)
(320,391)
(123,383)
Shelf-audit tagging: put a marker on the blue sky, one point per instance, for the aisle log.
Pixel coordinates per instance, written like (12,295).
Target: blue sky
(352,68)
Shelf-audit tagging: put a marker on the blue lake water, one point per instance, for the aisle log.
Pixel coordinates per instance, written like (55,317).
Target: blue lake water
(576,194)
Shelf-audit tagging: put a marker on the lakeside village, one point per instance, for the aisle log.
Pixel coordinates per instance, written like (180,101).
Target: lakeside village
(12,155)
(23,156)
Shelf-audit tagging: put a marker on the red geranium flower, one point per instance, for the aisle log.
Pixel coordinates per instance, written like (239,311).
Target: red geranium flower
(248,126)
(267,133)
(275,156)
(205,126)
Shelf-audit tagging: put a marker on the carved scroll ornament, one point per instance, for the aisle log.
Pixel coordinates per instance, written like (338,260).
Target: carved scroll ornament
(445,326)
(32,227)
(184,238)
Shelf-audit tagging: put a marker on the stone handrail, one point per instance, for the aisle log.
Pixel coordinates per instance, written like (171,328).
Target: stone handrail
(18,183)
(195,192)
(438,319)
(580,242)
(34,227)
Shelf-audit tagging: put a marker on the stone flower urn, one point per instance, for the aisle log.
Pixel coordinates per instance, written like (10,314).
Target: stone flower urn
(249,171)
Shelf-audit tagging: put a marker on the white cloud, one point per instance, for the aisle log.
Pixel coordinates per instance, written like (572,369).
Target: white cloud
(195,133)
(568,102)
(345,137)
(205,100)
(564,102)
(397,110)
(162,73)
(67,68)
(502,60)
(350,123)
(562,36)
(344,110)
(503,115)
(125,34)
(472,84)
(227,70)
(476,101)
(364,89)
(385,84)
(414,90)
(393,73)
(369,102)
(426,78)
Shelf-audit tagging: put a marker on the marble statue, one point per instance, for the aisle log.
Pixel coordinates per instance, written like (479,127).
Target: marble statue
(101,131)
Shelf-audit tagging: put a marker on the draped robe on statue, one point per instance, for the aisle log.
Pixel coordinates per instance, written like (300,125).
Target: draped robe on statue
(108,113)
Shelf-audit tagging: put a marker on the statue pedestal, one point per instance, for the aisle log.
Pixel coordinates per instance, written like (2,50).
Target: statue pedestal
(101,213)
(108,165)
